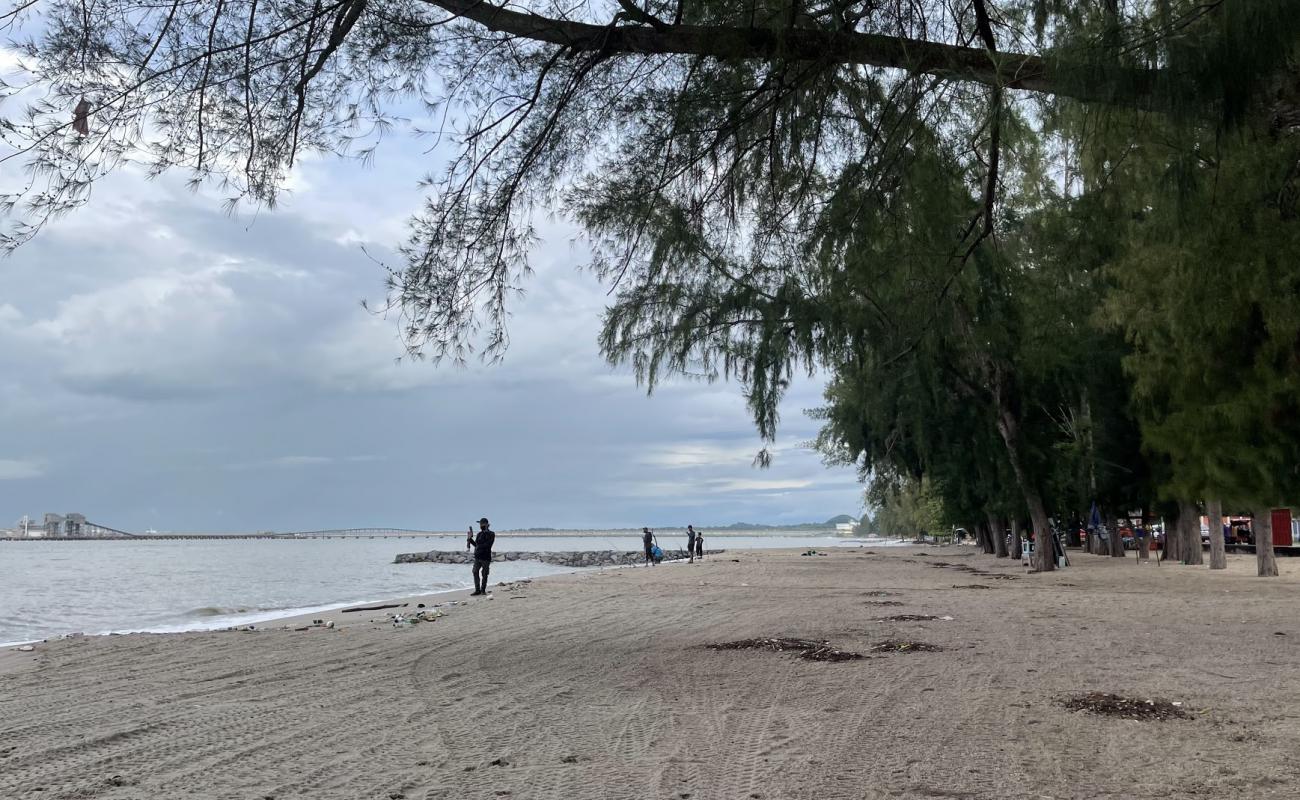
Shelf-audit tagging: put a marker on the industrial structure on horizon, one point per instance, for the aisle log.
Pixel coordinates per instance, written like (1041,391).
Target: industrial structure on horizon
(60,526)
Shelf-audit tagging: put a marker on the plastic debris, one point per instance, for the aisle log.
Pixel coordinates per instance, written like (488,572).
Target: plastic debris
(81,117)
(26,648)
(322,624)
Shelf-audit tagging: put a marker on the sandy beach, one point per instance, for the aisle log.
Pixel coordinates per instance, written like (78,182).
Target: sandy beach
(601,685)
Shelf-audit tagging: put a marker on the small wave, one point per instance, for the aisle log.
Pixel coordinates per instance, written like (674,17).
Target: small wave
(219,611)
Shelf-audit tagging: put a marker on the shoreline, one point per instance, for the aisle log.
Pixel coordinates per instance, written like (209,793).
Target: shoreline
(295,618)
(236,621)
(224,622)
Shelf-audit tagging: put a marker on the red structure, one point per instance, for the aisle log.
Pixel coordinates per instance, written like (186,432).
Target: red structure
(1281,527)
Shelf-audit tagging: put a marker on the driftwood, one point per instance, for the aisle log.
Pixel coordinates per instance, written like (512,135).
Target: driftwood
(374,608)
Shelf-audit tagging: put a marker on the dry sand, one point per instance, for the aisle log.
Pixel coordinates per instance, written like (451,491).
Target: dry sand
(599,686)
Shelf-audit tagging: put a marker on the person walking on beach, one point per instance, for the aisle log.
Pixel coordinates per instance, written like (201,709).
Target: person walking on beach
(482,554)
(699,546)
(690,542)
(648,539)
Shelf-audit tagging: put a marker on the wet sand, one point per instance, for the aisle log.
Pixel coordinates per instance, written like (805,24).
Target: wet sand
(600,685)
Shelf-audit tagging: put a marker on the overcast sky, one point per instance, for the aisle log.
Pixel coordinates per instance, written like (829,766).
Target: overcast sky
(164,365)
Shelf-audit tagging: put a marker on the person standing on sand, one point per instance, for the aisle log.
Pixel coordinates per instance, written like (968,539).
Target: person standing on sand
(699,546)
(690,542)
(648,539)
(482,554)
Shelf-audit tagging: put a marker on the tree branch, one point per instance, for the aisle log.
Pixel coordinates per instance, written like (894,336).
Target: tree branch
(970,64)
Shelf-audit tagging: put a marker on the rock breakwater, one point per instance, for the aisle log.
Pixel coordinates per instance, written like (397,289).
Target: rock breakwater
(579,558)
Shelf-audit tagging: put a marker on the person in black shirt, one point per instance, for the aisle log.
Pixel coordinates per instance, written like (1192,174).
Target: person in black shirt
(699,546)
(648,538)
(482,555)
(690,542)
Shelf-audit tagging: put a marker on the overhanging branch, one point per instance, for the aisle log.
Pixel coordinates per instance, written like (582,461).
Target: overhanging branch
(971,64)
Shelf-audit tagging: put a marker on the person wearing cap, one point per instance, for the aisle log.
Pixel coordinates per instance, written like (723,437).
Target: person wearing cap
(648,539)
(482,544)
(690,542)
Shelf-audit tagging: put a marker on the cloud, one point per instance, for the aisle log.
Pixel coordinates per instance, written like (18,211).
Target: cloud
(169,358)
(13,470)
(689,455)
(297,461)
(757,484)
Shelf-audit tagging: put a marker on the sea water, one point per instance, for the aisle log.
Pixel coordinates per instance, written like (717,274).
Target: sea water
(52,588)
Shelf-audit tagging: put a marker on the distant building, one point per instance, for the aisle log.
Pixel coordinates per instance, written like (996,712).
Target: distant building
(74,525)
(846,527)
(53,525)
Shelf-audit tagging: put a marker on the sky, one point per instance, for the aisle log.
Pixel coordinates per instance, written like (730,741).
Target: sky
(166,365)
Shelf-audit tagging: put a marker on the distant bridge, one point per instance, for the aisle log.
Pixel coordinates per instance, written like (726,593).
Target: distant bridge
(362,533)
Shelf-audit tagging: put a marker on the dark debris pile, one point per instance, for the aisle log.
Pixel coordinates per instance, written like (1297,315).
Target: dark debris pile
(807,649)
(973,570)
(903,646)
(1113,705)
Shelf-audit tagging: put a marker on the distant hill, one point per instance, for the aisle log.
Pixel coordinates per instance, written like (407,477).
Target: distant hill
(754,526)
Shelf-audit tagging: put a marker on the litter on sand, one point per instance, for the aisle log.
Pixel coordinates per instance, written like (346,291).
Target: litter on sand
(321,624)
(404,621)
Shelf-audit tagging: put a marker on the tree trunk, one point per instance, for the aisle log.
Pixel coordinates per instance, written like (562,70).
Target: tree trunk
(1072,536)
(1189,519)
(982,538)
(1117,543)
(999,529)
(1262,528)
(1173,541)
(1218,557)
(1043,546)
(1044,557)
(1015,551)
